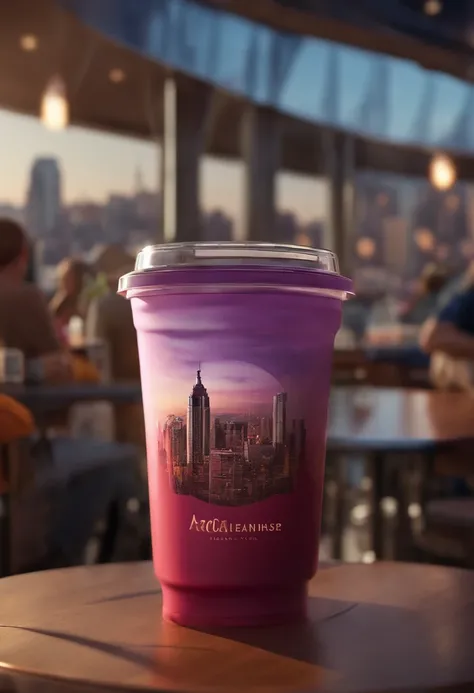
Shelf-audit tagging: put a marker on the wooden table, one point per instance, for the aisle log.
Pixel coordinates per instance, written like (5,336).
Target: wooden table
(367,418)
(378,421)
(382,366)
(387,626)
(44,399)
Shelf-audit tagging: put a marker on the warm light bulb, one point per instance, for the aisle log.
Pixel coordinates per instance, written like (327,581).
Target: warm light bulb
(433,7)
(365,247)
(442,172)
(29,42)
(54,105)
(116,75)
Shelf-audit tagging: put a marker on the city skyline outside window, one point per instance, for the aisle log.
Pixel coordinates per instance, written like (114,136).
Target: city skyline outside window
(81,188)
(402,224)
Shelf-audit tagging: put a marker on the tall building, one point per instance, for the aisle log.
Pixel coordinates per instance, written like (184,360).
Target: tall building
(9,211)
(120,218)
(279,418)
(222,472)
(297,444)
(217,226)
(219,435)
(286,227)
(265,429)
(44,203)
(198,424)
(395,244)
(236,434)
(175,441)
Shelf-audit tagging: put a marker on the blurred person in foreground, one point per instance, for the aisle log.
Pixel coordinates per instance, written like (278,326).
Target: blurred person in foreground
(425,302)
(25,321)
(68,301)
(448,338)
(109,318)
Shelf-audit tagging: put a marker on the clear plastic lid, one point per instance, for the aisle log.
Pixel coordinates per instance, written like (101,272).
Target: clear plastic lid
(156,259)
(192,254)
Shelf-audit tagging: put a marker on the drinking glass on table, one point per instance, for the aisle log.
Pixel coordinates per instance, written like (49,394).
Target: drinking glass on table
(12,365)
(97,351)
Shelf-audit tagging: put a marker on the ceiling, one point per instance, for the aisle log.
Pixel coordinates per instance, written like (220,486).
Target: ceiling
(83,58)
(400,28)
(133,106)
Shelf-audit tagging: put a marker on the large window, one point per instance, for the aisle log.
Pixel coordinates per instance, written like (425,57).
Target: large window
(404,224)
(76,190)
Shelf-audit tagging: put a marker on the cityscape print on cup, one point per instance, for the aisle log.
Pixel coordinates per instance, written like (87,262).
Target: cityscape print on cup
(231,459)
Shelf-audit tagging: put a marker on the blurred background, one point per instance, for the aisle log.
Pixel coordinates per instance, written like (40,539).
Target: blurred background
(337,124)
(296,139)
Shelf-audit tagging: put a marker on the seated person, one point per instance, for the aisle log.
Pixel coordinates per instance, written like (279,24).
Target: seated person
(68,301)
(110,319)
(451,332)
(25,321)
(425,301)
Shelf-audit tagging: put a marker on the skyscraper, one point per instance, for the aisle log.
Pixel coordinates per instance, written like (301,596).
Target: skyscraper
(297,444)
(44,198)
(395,244)
(265,429)
(236,434)
(279,418)
(198,424)
(175,441)
(219,435)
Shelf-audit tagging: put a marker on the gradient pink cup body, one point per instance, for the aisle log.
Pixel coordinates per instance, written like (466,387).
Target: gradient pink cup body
(235,365)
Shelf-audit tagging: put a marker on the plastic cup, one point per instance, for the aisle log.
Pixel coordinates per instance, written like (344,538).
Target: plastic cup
(235,344)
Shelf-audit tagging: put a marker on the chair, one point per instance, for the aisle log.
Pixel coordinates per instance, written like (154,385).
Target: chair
(78,491)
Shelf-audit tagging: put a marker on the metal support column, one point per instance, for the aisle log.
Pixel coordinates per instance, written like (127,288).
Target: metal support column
(340,168)
(186,105)
(261,154)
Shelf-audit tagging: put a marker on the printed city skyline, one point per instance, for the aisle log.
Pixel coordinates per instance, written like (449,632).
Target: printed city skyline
(234,461)
(235,386)
(238,388)
(212,331)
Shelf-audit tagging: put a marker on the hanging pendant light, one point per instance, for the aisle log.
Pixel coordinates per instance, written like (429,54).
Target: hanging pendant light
(442,173)
(54,105)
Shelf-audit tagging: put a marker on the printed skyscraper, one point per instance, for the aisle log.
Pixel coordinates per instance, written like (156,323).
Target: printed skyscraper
(198,425)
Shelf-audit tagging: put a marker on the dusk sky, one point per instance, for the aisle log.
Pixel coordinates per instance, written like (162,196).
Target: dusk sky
(233,387)
(224,341)
(95,164)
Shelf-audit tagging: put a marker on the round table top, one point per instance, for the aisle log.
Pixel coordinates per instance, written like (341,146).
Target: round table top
(387,419)
(379,627)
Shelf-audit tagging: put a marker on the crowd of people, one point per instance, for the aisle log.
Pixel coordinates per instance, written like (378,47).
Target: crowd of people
(87,294)
(40,329)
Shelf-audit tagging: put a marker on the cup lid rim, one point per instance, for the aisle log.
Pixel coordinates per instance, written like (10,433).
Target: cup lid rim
(167,255)
(158,260)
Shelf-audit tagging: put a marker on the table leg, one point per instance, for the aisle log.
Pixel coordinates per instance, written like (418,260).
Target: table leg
(5,528)
(427,472)
(340,505)
(377,474)
(403,535)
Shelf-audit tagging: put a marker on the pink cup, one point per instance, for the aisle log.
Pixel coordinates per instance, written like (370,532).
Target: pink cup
(236,345)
